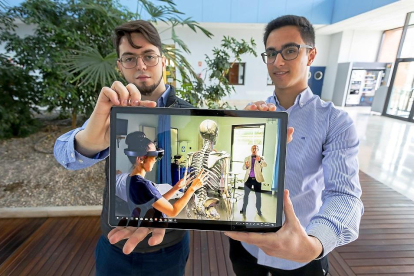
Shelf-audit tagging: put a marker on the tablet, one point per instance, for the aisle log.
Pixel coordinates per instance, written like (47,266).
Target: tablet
(197,169)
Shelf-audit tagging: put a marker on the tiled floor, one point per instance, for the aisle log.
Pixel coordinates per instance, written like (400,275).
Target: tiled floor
(386,149)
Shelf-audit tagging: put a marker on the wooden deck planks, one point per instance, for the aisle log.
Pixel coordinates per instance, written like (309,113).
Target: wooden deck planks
(386,242)
(65,246)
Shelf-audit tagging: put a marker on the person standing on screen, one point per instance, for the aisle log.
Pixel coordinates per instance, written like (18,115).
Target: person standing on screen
(253,165)
(140,60)
(322,203)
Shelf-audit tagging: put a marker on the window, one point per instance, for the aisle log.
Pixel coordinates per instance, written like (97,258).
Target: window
(243,138)
(236,74)
(389,45)
(400,97)
(402,92)
(407,50)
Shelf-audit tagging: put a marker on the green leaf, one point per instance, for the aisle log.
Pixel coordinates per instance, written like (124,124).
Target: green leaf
(89,66)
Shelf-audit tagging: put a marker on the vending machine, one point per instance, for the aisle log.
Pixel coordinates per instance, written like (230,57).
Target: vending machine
(357,82)
(362,86)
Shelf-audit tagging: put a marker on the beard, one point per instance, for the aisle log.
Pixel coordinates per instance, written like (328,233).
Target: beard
(147,90)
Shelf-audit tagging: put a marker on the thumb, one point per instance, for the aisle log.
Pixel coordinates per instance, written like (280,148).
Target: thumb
(288,208)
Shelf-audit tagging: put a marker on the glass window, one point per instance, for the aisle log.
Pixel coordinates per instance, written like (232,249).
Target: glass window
(402,95)
(411,22)
(408,45)
(389,46)
(244,137)
(236,74)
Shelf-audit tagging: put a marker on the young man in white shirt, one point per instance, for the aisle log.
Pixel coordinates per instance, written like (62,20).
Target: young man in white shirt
(322,206)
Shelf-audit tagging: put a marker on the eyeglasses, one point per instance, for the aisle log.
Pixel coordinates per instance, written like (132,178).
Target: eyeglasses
(288,53)
(130,62)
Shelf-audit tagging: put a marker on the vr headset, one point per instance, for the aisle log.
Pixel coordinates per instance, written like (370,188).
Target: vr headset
(159,153)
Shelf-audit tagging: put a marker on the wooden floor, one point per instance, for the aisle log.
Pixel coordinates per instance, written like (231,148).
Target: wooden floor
(65,246)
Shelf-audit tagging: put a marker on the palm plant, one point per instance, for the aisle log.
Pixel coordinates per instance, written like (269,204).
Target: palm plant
(89,66)
(71,50)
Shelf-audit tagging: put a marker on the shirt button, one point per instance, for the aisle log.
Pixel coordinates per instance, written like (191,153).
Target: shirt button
(72,155)
(301,104)
(80,161)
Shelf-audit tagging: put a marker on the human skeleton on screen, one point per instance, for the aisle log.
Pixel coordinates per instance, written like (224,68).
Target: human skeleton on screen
(216,164)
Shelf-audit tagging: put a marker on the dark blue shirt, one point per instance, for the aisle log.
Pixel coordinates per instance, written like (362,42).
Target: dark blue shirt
(142,190)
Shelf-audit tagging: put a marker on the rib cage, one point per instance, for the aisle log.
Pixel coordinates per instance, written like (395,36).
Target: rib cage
(215,164)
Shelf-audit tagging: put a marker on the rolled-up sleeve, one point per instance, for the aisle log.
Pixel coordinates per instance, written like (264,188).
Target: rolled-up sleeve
(337,222)
(66,155)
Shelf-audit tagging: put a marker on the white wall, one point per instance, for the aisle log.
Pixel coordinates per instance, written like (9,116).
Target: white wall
(22,31)
(323,43)
(255,87)
(255,73)
(364,46)
(349,46)
(332,65)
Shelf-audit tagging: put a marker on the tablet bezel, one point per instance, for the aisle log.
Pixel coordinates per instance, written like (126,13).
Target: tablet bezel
(209,224)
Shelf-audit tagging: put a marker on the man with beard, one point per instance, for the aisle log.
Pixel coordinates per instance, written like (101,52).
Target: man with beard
(140,60)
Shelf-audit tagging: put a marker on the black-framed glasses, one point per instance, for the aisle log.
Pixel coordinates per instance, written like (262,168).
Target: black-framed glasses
(129,62)
(289,52)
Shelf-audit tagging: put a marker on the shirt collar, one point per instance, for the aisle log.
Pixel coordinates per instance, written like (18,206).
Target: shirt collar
(304,97)
(162,101)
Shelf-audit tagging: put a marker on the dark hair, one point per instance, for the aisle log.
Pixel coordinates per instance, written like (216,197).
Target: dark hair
(137,141)
(305,27)
(138,26)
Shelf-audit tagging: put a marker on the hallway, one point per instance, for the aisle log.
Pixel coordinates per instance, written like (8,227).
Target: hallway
(386,149)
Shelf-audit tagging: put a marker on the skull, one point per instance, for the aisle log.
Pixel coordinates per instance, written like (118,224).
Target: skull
(209,130)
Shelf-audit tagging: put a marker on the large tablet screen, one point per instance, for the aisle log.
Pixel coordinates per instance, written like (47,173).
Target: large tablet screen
(197,169)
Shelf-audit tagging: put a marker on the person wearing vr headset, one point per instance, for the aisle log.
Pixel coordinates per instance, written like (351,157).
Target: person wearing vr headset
(143,154)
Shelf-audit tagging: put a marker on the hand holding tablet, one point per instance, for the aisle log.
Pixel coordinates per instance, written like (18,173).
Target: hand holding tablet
(95,137)
(263,106)
(290,242)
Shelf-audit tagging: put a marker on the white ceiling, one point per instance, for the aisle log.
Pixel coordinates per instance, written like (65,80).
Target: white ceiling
(387,17)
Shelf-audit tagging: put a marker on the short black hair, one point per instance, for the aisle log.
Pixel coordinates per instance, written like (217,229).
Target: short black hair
(305,27)
(143,27)
(138,142)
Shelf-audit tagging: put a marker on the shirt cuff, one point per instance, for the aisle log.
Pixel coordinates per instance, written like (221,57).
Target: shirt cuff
(89,161)
(325,235)
(79,161)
